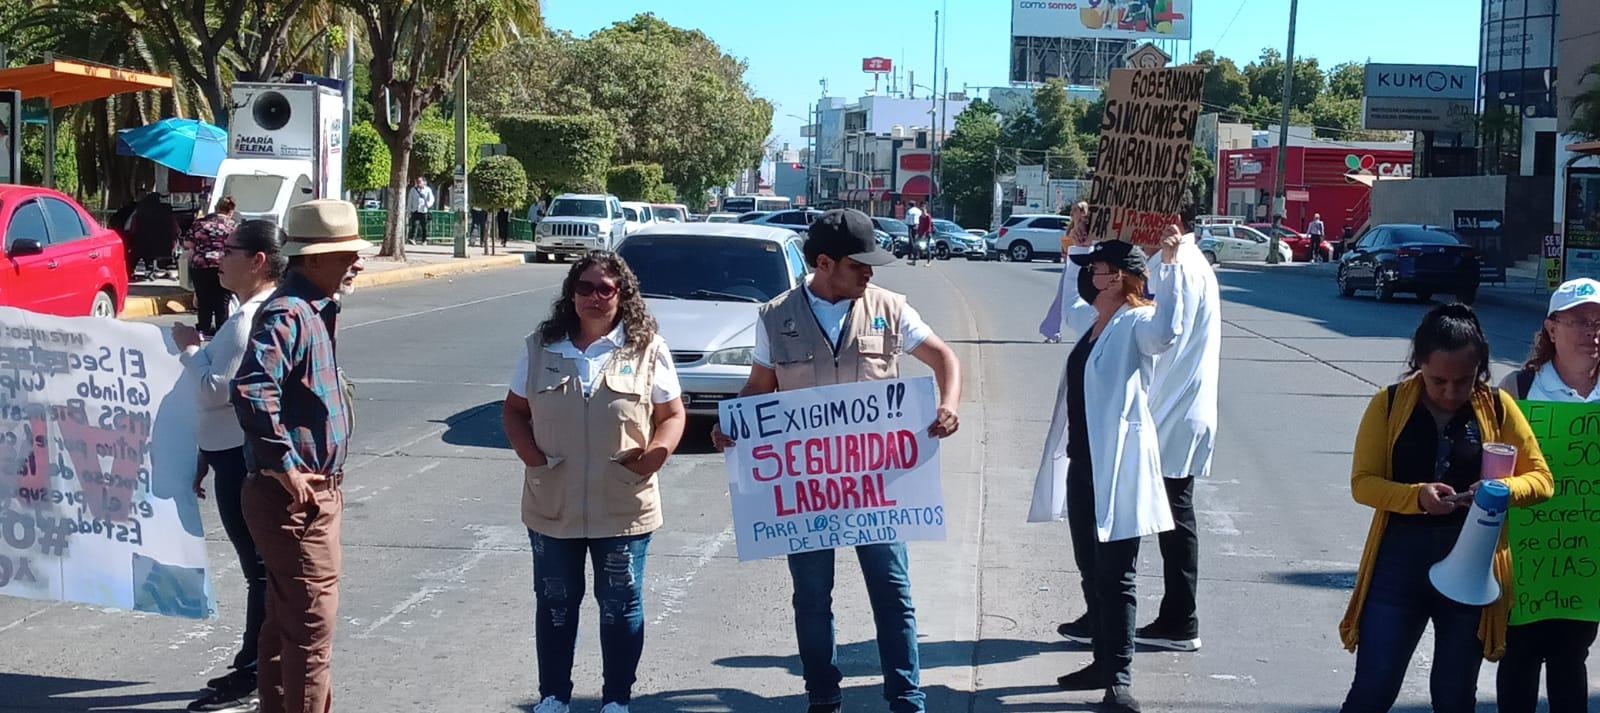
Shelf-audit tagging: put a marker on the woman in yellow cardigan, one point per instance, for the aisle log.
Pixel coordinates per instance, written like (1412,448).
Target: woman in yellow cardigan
(1417,459)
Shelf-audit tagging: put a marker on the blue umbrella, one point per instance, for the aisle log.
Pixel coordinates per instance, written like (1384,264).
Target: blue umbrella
(185,145)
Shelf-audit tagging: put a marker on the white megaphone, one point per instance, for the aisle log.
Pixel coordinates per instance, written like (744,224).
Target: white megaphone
(1467,573)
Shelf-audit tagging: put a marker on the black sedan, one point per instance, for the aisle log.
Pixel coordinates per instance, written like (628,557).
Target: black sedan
(1420,259)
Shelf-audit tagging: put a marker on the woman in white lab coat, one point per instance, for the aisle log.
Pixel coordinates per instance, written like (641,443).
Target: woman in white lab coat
(1102,463)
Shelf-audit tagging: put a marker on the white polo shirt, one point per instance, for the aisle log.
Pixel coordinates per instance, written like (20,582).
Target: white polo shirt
(593,360)
(832,315)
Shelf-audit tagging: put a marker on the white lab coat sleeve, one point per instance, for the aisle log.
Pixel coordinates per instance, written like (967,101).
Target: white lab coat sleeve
(1077,316)
(1158,333)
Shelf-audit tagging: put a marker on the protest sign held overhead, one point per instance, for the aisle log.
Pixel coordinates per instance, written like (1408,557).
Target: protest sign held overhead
(1146,141)
(97,456)
(834,466)
(1555,545)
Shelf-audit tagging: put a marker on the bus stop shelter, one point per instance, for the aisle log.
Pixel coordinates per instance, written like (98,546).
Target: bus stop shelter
(64,83)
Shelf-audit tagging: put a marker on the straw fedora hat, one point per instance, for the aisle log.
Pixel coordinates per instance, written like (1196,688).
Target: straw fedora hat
(322,226)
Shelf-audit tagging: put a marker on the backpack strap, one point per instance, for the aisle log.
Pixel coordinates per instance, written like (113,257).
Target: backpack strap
(1525,383)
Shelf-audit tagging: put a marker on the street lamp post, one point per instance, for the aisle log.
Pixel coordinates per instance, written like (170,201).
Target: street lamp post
(1280,206)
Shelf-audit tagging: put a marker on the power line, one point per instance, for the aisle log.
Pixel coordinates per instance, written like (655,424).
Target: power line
(1236,11)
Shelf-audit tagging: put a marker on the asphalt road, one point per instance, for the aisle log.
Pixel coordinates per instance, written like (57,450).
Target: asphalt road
(436,606)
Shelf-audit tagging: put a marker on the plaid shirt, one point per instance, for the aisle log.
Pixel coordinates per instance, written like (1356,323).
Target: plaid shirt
(288,392)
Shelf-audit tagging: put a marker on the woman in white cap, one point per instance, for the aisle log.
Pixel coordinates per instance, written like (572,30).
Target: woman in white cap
(1561,367)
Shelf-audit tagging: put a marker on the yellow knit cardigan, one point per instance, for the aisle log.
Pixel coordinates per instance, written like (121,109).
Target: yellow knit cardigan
(1372,484)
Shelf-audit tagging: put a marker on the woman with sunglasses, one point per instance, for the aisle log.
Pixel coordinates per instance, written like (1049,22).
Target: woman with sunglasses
(249,266)
(1417,461)
(1562,367)
(594,410)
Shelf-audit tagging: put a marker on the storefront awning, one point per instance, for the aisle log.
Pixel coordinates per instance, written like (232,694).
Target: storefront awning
(1587,148)
(65,83)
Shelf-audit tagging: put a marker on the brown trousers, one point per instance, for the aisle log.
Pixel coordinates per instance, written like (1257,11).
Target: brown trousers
(301,551)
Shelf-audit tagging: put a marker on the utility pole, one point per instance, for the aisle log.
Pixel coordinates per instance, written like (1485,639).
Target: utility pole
(463,218)
(933,109)
(1279,205)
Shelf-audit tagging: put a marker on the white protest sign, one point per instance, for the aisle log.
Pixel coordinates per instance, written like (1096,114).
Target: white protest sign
(97,458)
(834,466)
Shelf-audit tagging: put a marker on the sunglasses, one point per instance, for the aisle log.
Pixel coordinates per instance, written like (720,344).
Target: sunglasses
(584,288)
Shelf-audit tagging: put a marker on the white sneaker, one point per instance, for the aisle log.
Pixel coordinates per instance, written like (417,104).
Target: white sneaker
(614,708)
(551,704)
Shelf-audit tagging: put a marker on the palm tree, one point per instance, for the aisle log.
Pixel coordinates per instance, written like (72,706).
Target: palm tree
(1586,107)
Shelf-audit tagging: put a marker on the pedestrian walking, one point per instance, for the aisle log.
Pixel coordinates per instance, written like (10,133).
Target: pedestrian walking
(840,328)
(1183,400)
(1101,469)
(1076,234)
(249,267)
(594,409)
(419,201)
(502,227)
(925,229)
(296,414)
(1561,367)
(914,230)
(203,244)
(1417,461)
(1315,230)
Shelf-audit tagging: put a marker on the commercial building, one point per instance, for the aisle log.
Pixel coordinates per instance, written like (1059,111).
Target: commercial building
(1333,180)
(877,154)
(1577,189)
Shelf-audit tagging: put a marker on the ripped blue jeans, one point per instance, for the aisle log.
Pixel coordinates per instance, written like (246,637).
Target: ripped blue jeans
(558,595)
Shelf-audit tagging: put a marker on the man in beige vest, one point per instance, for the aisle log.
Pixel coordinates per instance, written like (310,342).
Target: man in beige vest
(839,328)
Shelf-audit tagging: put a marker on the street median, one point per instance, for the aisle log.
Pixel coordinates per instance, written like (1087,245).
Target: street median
(154,301)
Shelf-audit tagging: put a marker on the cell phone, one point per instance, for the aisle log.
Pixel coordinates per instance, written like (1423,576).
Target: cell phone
(1459,498)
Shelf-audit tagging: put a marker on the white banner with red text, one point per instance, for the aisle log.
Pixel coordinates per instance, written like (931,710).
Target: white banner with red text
(834,466)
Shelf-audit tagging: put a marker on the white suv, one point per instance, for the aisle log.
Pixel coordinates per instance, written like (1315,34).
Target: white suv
(578,223)
(1025,237)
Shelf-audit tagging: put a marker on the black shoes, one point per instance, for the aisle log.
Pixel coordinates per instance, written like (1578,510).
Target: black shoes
(1166,636)
(1079,630)
(233,692)
(1087,679)
(825,708)
(1119,699)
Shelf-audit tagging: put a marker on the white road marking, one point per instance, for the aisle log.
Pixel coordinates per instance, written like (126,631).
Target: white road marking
(490,539)
(401,479)
(676,588)
(418,313)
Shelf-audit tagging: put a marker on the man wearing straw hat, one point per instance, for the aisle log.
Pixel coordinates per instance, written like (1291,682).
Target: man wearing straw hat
(296,417)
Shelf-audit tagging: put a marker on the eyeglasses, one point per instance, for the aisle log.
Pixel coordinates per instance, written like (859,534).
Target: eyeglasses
(1587,325)
(584,288)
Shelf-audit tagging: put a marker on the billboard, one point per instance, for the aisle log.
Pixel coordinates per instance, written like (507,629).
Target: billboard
(1419,97)
(1103,19)
(1421,81)
(877,65)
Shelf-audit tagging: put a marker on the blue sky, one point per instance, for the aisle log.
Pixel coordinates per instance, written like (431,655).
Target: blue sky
(789,46)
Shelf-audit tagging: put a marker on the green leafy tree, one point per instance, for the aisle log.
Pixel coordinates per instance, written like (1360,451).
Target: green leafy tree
(66,165)
(1265,76)
(366,160)
(1348,80)
(561,153)
(639,182)
(1202,179)
(417,51)
(495,183)
(1225,85)
(967,163)
(433,156)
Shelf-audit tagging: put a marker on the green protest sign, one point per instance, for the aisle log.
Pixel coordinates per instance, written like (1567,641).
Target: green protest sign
(1555,545)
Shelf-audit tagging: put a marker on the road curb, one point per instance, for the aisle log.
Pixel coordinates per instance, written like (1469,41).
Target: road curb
(179,301)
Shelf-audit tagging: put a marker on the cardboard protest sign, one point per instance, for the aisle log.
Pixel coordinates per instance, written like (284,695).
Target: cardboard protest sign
(834,466)
(1555,545)
(1146,141)
(97,461)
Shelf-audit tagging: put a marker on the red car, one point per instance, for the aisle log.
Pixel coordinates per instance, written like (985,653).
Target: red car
(56,259)
(1299,243)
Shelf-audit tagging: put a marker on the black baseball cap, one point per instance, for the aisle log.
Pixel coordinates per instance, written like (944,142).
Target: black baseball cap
(1122,255)
(846,233)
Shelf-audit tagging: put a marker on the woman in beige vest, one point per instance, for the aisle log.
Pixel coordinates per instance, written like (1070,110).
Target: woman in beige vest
(593,411)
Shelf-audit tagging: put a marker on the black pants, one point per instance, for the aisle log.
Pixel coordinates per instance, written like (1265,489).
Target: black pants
(1108,570)
(229,468)
(1562,646)
(1316,249)
(210,299)
(1180,560)
(417,229)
